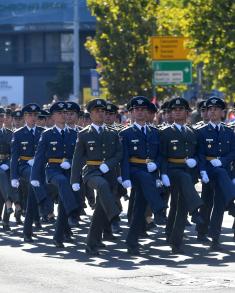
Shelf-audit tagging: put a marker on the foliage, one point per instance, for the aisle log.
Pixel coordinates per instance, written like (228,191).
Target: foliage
(121,45)
(212,33)
(124,27)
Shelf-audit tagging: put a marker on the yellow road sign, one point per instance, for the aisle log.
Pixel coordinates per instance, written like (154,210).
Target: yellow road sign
(168,48)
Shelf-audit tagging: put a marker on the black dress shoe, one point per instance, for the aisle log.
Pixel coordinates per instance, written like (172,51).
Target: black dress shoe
(37,225)
(177,250)
(133,250)
(51,219)
(150,226)
(73,222)
(144,234)
(100,245)
(203,239)
(6,227)
(92,251)
(109,237)
(196,218)
(58,244)
(69,239)
(28,239)
(116,227)
(216,246)
(160,220)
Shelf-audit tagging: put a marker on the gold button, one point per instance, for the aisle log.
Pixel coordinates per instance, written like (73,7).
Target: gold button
(103,144)
(219,142)
(104,152)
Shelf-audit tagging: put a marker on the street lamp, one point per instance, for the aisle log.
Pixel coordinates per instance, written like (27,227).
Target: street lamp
(76,42)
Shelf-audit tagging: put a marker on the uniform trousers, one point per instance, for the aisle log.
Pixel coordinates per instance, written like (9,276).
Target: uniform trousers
(106,208)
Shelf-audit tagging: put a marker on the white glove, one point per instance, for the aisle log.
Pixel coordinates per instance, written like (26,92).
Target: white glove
(165,180)
(65,165)
(4,167)
(233,181)
(205,178)
(35,183)
(30,162)
(76,186)
(104,168)
(119,179)
(15,183)
(127,184)
(151,166)
(191,163)
(216,162)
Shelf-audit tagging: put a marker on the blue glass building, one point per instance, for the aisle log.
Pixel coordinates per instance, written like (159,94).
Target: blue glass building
(36,39)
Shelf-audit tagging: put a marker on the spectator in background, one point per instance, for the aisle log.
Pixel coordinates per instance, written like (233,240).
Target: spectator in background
(8,122)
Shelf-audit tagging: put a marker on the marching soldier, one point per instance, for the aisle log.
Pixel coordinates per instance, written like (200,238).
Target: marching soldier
(179,160)
(216,152)
(23,147)
(207,188)
(97,154)
(18,119)
(139,168)
(72,116)
(42,118)
(9,194)
(8,122)
(111,112)
(55,150)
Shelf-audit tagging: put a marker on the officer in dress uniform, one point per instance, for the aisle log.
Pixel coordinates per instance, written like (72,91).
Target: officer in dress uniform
(72,116)
(216,152)
(207,189)
(111,112)
(18,119)
(8,122)
(23,147)
(179,160)
(139,168)
(97,154)
(55,149)
(9,194)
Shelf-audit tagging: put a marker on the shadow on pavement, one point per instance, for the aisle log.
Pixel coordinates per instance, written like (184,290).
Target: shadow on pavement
(154,249)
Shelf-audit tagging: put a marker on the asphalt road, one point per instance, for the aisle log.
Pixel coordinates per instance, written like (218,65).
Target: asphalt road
(40,267)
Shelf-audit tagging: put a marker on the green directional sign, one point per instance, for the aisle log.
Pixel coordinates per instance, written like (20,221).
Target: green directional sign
(172,72)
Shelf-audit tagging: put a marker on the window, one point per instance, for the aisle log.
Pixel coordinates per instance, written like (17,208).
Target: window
(52,47)
(66,45)
(34,48)
(6,49)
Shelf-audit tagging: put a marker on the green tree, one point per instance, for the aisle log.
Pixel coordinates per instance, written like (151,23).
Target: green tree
(212,33)
(121,45)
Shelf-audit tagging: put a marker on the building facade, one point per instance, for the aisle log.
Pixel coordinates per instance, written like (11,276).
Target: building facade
(36,42)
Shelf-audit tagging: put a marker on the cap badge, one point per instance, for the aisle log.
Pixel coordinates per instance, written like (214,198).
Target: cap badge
(61,105)
(33,107)
(140,102)
(213,101)
(109,107)
(98,102)
(177,102)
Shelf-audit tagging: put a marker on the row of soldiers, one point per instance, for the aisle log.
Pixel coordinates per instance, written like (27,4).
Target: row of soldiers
(105,156)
